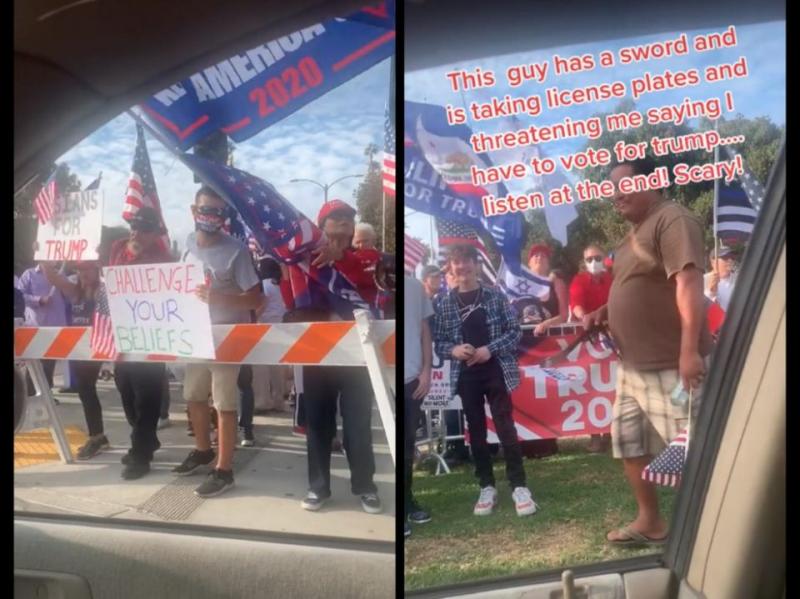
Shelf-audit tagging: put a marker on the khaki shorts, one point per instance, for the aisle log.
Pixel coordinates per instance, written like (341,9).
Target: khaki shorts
(644,418)
(219,380)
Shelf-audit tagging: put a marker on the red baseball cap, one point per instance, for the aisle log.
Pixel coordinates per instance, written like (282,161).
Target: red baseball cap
(333,206)
(540,248)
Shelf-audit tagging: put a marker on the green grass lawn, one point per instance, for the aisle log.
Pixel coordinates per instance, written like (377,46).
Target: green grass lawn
(581,497)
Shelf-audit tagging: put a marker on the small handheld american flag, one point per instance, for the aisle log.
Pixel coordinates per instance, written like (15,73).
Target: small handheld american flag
(413,254)
(44,203)
(102,338)
(667,467)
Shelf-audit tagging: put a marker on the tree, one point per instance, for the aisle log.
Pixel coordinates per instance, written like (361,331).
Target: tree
(24,212)
(369,201)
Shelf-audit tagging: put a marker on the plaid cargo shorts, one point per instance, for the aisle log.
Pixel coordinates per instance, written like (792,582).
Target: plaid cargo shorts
(644,418)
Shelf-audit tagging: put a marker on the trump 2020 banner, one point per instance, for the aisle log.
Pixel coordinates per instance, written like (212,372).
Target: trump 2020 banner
(256,88)
(573,398)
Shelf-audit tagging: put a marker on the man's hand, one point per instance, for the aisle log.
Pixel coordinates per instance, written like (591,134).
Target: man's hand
(205,294)
(481,355)
(463,352)
(540,329)
(44,300)
(326,255)
(595,319)
(424,384)
(692,369)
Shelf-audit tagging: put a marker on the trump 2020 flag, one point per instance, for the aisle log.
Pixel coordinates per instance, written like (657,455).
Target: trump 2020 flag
(667,467)
(278,228)
(438,180)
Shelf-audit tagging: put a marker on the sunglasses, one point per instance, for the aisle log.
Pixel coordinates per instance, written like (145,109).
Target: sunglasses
(211,211)
(594,259)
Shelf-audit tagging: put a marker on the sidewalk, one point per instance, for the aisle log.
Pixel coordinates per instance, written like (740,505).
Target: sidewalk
(270,479)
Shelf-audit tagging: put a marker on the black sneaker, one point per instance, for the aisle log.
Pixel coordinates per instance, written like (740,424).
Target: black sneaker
(135,470)
(92,447)
(371,503)
(417,515)
(248,439)
(407,530)
(313,502)
(217,483)
(196,459)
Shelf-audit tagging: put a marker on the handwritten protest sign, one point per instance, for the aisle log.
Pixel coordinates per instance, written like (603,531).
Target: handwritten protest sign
(74,231)
(154,310)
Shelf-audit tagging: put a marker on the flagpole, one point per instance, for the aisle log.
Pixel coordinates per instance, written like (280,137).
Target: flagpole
(716,200)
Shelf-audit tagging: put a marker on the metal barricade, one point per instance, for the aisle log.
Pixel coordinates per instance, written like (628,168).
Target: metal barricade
(364,342)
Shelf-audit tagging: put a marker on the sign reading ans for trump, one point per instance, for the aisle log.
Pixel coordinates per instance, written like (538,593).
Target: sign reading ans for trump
(73,232)
(154,310)
(258,87)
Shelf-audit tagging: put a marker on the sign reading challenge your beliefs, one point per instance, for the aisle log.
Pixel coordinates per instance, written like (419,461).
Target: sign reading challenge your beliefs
(73,233)
(154,310)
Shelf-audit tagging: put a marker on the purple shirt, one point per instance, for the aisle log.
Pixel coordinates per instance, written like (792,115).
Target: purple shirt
(34,284)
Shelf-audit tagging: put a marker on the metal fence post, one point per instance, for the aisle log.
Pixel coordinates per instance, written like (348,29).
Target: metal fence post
(46,394)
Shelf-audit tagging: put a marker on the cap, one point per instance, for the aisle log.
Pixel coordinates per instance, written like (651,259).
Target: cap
(332,206)
(430,270)
(540,247)
(145,216)
(724,250)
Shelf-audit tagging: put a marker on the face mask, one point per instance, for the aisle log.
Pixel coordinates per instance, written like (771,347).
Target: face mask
(208,224)
(595,267)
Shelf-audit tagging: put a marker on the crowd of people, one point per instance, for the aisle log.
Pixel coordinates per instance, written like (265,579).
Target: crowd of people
(649,296)
(240,288)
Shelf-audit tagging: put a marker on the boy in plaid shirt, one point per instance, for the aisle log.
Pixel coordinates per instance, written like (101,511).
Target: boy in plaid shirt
(476,328)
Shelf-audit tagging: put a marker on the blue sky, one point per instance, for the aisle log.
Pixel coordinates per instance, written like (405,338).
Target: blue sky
(323,141)
(761,94)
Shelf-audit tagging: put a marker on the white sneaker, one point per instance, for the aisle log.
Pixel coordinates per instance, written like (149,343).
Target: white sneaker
(523,501)
(486,502)
(163,423)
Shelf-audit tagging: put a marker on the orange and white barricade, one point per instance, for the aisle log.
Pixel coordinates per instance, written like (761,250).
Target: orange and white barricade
(365,342)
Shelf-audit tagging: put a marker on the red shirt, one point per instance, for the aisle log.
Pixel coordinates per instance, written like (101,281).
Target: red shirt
(588,291)
(358,267)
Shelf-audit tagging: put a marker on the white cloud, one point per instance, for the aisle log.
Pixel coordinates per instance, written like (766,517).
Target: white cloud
(322,141)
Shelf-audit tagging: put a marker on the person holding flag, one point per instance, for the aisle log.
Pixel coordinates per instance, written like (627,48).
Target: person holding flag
(232,290)
(140,383)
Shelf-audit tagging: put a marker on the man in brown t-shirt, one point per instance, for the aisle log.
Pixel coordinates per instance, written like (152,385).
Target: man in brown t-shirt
(655,314)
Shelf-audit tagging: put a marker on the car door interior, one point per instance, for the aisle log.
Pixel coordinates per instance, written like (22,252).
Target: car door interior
(78,557)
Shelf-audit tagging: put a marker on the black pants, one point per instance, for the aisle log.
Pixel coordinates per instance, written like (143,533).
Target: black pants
(48,366)
(86,373)
(413,410)
(321,386)
(490,386)
(247,400)
(165,398)
(140,385)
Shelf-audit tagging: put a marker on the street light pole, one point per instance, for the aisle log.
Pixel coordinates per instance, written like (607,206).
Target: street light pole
(325,186)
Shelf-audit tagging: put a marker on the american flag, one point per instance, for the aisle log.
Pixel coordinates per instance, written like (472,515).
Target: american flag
(102,338)
(389,156)
(413,254)
(667,467)
(453,233)
(44,203)
(142,185)
(277,227)
(738,204)
(94,184)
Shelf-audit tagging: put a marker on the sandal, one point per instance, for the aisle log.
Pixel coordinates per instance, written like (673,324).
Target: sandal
(635,538)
